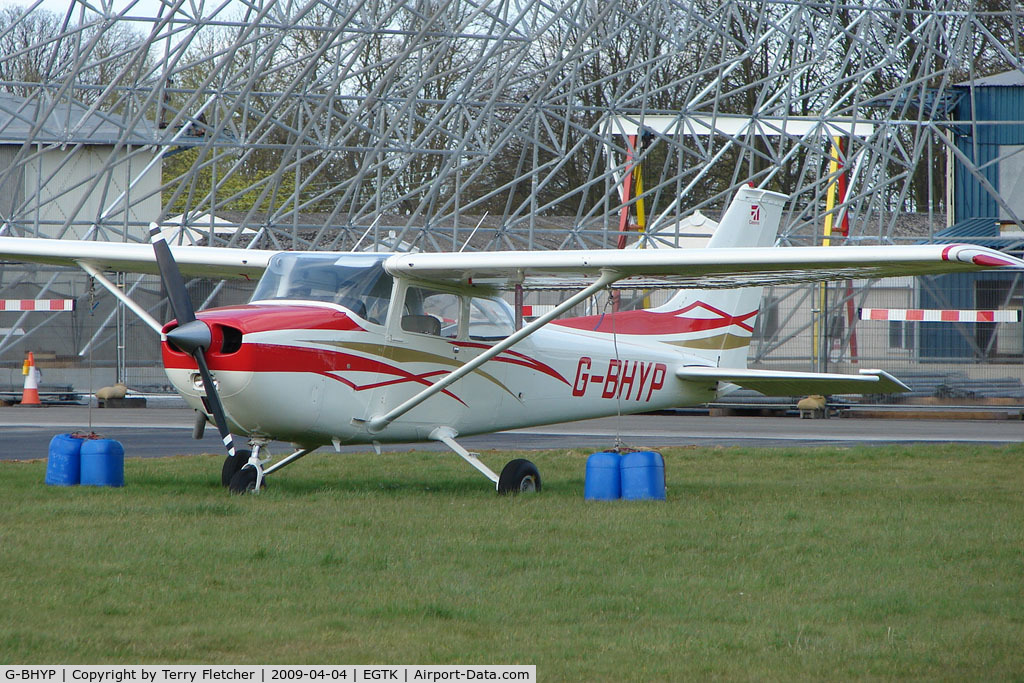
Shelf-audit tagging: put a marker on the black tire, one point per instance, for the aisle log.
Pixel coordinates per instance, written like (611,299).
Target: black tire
(232,464)
(519,476)
(244,480)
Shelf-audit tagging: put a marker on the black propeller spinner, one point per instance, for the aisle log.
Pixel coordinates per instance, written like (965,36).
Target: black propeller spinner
(191,335)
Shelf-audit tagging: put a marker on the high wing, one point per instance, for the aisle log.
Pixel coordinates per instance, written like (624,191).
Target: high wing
(695,268)
(133,257)
(675,268)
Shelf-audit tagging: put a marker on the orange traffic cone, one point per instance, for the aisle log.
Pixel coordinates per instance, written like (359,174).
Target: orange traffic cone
(30,396)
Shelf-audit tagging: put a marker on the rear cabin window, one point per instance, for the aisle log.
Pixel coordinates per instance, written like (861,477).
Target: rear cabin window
(490,319)
(441,314)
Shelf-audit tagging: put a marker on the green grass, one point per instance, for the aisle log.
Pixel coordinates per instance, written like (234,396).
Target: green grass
(763,564)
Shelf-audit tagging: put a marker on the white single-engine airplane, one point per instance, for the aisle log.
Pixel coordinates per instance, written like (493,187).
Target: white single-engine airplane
(341,348)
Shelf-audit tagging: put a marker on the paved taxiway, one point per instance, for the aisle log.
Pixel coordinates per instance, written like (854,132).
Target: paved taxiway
(163,431)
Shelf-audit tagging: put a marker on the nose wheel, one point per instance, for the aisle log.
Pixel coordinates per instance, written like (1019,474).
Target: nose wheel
(247,479)
(232,465)
(247,469)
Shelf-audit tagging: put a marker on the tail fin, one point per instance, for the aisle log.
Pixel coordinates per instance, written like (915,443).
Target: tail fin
(717,324)
(712,324)
(752,220)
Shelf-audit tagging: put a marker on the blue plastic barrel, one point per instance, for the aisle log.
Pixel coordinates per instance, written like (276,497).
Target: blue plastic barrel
(102,463)
(63,462)
(603,480)
(643,476)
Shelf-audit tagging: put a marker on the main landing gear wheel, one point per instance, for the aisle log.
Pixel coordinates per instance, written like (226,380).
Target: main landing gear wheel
(519,476)
(244,480)
(232,465)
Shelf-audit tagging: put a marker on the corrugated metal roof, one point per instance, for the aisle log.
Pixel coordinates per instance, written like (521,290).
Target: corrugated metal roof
(67,123)
(936,102)
(981,231)
(1002,80)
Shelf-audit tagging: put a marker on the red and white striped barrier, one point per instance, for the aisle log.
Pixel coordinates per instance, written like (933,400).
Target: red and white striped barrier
(938,315)
(37,304)
(537,310)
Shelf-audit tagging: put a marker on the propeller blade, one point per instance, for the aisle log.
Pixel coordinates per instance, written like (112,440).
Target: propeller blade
(170,275)
(191,335)
(213,398)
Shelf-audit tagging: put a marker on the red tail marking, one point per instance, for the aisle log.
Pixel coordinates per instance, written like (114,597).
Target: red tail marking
(659,323)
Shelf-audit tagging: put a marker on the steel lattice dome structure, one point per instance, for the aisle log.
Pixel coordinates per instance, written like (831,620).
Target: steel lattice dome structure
(504,124)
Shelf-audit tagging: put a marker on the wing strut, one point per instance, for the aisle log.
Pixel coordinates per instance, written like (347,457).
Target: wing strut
(121,296)
(379,422)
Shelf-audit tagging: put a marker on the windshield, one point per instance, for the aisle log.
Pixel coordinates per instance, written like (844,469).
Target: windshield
(356,281)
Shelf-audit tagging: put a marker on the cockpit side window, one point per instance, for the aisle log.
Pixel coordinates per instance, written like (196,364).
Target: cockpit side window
(427,311)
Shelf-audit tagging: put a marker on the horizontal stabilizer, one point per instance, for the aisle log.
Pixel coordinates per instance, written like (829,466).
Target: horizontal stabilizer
(785,383)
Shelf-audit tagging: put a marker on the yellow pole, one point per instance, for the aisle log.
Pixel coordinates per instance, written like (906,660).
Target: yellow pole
(830,204)
(833,189)
(641,215)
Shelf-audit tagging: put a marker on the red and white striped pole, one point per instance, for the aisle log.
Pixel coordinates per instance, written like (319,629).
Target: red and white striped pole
(54,305)
(939,315)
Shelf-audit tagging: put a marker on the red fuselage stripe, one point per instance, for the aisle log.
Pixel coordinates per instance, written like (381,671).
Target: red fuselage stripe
(297,359)
(659,323)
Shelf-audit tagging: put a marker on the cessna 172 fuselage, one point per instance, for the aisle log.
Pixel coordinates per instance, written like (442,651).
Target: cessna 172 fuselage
(323,328)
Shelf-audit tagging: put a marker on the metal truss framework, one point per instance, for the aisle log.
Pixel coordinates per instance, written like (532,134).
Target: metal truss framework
(493,123)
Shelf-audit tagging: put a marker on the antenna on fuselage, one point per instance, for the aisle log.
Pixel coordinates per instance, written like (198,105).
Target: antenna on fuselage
(360,240)
(482,219)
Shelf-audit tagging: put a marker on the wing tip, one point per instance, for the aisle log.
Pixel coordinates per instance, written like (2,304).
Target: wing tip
(977,255)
